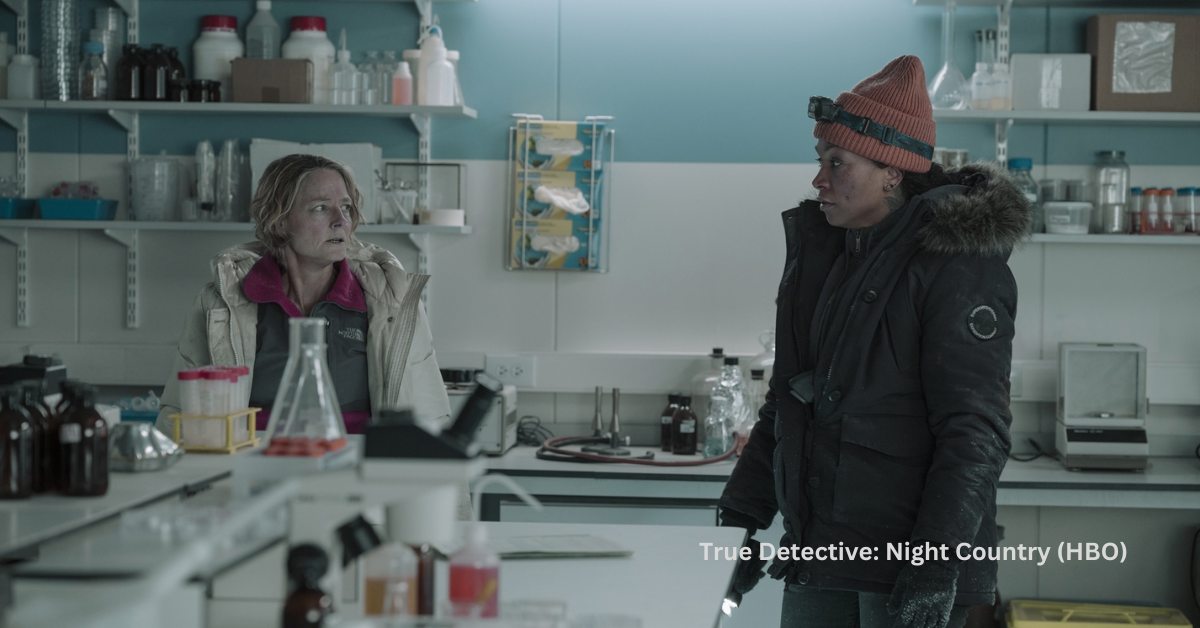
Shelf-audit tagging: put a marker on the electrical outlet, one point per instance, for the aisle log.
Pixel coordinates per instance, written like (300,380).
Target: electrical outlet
(517,370)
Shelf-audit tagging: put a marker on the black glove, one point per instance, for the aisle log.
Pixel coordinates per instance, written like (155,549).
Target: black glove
(748,572)
(924,595)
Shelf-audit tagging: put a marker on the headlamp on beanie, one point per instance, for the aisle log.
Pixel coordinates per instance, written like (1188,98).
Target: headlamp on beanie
(823,109)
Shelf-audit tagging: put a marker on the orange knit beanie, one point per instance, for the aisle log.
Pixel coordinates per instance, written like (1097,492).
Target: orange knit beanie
(896,97)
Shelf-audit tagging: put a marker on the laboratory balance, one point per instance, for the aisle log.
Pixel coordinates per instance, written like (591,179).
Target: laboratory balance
(1102,406)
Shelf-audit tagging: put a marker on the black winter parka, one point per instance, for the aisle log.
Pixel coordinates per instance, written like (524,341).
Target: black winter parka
(906,329)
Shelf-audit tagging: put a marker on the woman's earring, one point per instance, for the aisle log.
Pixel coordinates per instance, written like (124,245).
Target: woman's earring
(888,187)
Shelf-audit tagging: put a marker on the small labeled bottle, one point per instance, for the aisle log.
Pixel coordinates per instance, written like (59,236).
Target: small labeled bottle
(668,414)
(156,73)
(262,33)
(129,74)
(475,577)
(23,81)
(402,85)
(683,428)
(30,392)
(93,74)
(426,584)
(391,581)
(17,446)
(1166,207)
(1150,209)
(83,447)
(307,605)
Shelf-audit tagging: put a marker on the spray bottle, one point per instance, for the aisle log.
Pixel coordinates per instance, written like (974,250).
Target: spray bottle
(475,568)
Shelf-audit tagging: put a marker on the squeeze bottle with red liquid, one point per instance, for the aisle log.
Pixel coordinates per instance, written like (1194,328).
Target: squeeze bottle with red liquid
(475,577)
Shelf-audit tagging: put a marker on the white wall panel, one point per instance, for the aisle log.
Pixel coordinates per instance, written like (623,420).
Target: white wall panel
(1027,268)
(52,290)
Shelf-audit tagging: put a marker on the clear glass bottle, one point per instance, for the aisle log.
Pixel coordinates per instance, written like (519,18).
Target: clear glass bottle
(93,74)
(718,435)
(683,428)
(390,581)
(228,180)
(306,404)
(385,71)
(948,89)
(368,71)
(667,414)
(18,447)
(766,359)
(307,605)
(1112,179)
(262,33)
(981,96)
(83,447)
(704,381)
(1020,169)
(1001,90)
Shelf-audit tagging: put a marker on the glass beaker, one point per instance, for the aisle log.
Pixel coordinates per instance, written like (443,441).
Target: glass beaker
(306,404)
(1112,181)
(155,188)
(948,89)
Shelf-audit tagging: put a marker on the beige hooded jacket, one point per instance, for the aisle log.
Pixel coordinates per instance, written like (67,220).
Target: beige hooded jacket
(221,329)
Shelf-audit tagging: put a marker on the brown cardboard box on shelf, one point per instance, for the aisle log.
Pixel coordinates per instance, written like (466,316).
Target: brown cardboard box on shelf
(272,80)
(1180,93)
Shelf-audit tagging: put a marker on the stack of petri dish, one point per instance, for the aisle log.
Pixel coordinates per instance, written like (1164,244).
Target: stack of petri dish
(60,48)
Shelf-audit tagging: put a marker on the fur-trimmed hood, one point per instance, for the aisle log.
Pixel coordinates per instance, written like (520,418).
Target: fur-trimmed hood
(992,218)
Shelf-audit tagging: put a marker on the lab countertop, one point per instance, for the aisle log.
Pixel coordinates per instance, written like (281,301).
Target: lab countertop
(26,523)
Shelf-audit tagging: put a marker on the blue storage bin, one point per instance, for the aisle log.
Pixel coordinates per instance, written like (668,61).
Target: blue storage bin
(76,209)
(19,208)
(145,416)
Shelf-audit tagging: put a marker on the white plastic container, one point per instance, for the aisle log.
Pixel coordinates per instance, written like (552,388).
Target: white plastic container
(402,82)
(262,33)
(441,80)
(23,78)
(215,49)
(426,56)
(308,41)
(413,58)
(391,581)
(1067,217)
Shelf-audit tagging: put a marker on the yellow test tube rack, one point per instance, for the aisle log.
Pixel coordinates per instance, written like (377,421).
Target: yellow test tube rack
(230,421)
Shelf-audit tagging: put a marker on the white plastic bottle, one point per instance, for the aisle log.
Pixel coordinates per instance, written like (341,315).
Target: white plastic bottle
(262,33)
(433,48)
(981,97)
(402,85)
(23,78)
(391,581)
(215,50)
(475,577)
(440,79)
(344,77)
(308,41)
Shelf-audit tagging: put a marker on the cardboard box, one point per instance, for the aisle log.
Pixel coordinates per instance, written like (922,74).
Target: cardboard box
(1051,82)
(1172,87)
(272,80)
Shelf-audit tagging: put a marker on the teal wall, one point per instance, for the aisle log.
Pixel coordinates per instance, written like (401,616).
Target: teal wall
(696,81)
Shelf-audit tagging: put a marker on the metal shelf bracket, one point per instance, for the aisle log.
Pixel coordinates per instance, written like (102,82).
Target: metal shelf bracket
(129,238)
(1002,129)
(21,9)
(20,237)
(19,119)
(1003,19)
(130,7)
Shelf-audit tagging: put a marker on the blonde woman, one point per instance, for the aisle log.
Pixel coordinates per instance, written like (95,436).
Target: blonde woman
(307,262)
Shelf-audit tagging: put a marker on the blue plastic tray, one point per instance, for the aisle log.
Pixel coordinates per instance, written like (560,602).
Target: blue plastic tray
(19,208)
(76,209)
(146,416)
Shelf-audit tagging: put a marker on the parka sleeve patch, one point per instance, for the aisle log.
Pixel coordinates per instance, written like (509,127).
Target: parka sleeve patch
(982,322)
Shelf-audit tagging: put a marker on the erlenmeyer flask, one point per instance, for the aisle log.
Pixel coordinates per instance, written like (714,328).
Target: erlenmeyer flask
(948,89)
(306,404)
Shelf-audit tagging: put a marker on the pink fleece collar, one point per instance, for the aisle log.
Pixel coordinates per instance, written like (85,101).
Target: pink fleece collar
(264,284)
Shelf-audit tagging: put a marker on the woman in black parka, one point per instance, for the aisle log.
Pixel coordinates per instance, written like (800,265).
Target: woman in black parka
(887,420)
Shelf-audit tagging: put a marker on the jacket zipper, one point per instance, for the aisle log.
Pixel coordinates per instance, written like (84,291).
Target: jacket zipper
(237,359)
(857,241)
(842,335)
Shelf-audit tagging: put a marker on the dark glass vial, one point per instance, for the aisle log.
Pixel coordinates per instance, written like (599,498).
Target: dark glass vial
(214,91)
(683,428)
(129,74)
(83,447)
(31,391)
(307,605)
(156,72)
(198,90)
(427,558)
(16,446)
(177,70)
(668,416)
(177,90)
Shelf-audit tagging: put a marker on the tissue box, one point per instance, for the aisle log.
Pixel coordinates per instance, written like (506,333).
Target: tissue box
(1051,82)
(563,136)
(272,80)
(1164,49)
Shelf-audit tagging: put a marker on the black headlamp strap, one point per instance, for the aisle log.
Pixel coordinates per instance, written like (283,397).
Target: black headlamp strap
(823,109)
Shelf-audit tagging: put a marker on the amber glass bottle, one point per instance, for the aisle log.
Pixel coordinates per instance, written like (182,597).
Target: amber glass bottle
(83,447)
(426,557)
(30,392)
(307,605)
(16,446)
(668,418)
(129,74)
(35,403)
(683,428)
(156,73)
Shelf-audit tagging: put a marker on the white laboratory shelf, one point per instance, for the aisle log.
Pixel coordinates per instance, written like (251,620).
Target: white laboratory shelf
(1072,4)
(212,226)
(1096,238)
(1070,117)
(227,108)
